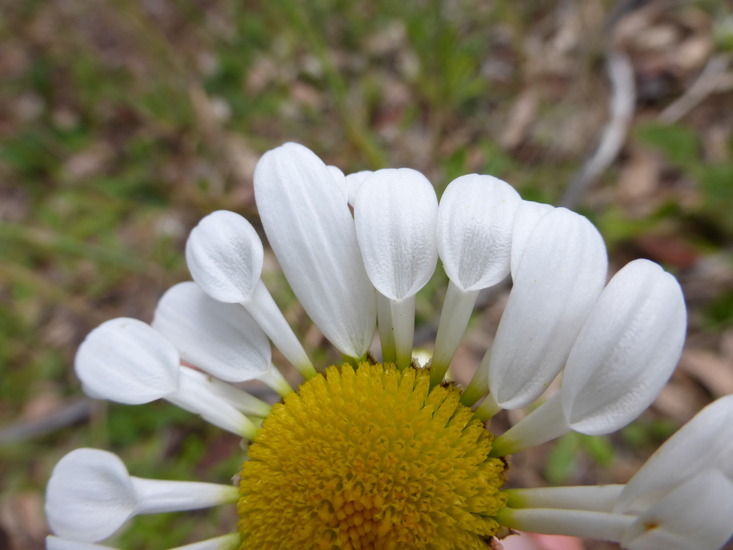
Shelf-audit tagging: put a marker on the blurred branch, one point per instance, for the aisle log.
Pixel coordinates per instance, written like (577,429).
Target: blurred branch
(706,84)
(621,107)
(71,413)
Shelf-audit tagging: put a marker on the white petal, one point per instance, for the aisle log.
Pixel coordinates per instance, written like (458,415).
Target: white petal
(626,351)
(597,498)
(264,310)
(224,255)
(474,230)
(224,542)
(312,233)
(526,219)
(234,396)
(127,361)
(337,174)
(394,214)
(196,395)
(454,318)
(89,495)
(697,514)
(221,339)
(156,496)
(58,543)
(704,442)
(353,183)
(340,178)
(561,274)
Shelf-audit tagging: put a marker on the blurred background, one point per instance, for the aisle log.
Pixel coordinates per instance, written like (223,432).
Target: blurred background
(123,122)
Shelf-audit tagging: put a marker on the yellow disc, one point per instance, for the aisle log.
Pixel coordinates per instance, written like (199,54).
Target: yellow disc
(370,458)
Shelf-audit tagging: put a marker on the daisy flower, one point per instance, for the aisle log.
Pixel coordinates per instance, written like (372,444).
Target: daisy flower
(382,451)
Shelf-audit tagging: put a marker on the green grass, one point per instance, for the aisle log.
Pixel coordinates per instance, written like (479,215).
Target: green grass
(111,150)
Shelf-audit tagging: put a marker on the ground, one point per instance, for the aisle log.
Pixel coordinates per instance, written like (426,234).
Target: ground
(122,123)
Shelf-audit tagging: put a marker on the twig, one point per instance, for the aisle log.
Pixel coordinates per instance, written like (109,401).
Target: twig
(706,84)
(621,106)
(71,413)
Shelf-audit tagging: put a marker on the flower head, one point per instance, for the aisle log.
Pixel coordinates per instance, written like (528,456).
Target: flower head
(386,453)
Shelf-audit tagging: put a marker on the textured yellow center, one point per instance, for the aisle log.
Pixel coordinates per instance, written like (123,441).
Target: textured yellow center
(370,458)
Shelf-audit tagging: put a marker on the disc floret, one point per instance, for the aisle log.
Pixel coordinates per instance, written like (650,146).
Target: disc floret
(371,457)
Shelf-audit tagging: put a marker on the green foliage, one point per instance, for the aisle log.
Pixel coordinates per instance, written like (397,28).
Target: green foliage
(571,451)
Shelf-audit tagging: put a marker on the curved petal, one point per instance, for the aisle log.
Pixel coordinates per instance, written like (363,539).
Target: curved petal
(474,230)
(221,339)
(526,219)
(224,542)
(704,442)
(89,496)
(312,234)
(353,183)
(127,361)
(560,276)
(394,215)
(340,179)
(696,514)
(224,255)
(58,543)
(626,351)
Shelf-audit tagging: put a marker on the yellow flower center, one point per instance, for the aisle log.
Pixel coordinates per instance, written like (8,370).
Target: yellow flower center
(370,458)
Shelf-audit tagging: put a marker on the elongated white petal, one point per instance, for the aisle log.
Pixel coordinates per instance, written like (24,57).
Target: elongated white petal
(337,174)
(312,234)
(386,329)
(353,183)
(237,398)
(595,498)
(403,325)
(264,310)
(155,496)
(527,217)
(224,542)
(626,351)
(696,514)
(58,543)
(703,443)
(340,179)
(89,496)
(221,339)
(560,276)
(276,381)
(454,317)
(127,361)
(474,230)
(224,255)
(579,523)
(544,423)
(197,396)
(394,213)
